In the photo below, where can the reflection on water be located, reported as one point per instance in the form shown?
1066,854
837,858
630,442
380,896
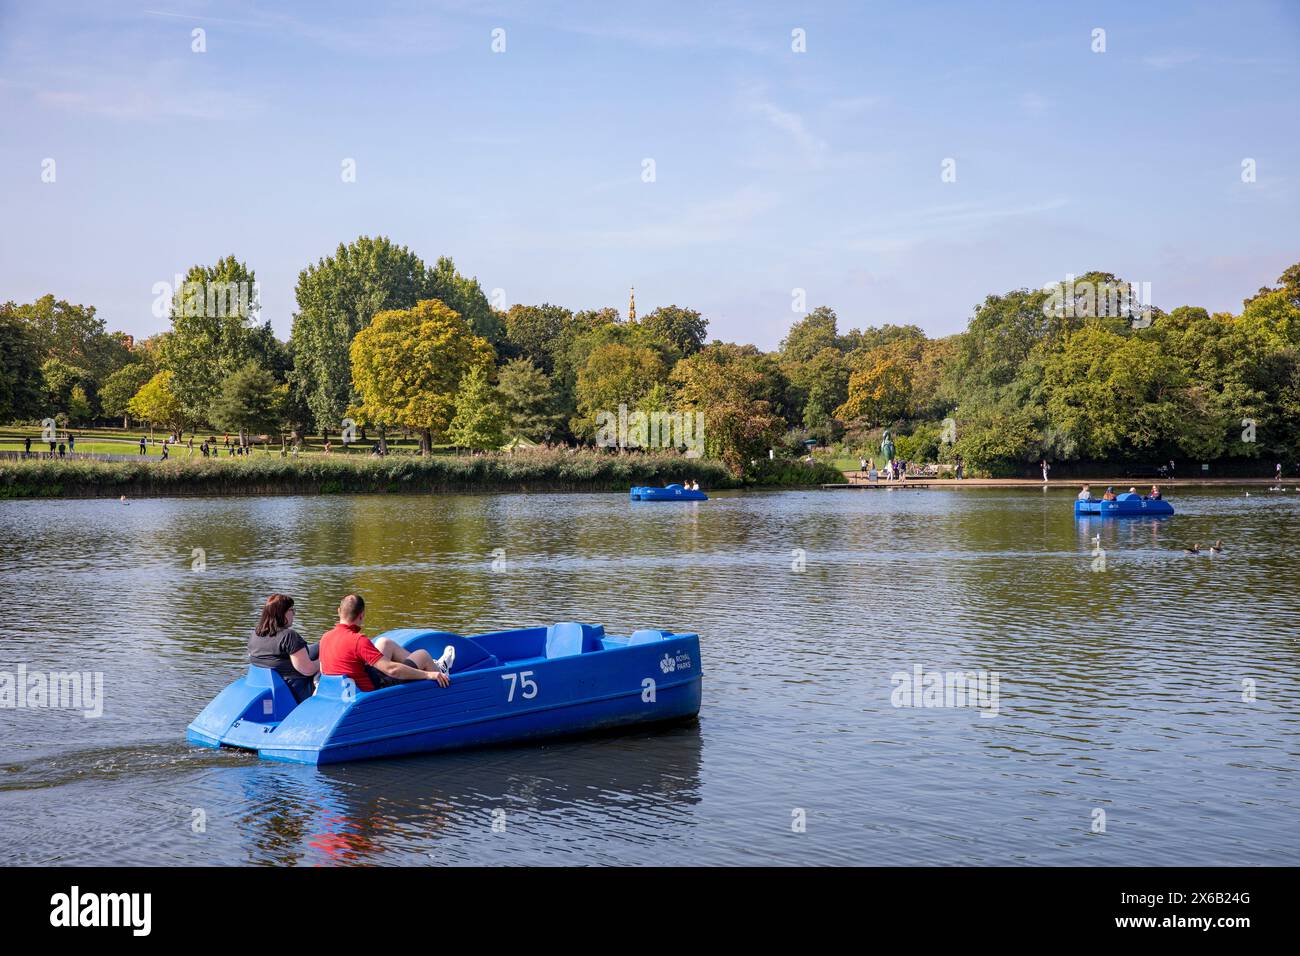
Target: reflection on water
1121,690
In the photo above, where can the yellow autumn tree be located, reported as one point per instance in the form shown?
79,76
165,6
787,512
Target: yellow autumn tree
880,388
156,402
408,363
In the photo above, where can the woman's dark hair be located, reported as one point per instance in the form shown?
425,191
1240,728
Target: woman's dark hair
273,616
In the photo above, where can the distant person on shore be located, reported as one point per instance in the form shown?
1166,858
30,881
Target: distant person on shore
53,445
72,446
164,451
27,446
961,468
62,449
191,448
1046,468
275,645
1086,493
142,444
872,475
1278,473
346,652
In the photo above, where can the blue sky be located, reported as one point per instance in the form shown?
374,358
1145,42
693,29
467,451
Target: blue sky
774,170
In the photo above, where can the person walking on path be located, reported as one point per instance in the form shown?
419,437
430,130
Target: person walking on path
27,446
1046,468
142,444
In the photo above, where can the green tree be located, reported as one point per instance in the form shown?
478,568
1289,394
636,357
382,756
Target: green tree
120,387
816,331
683,330
406,366
337,298
529,399
534,332
60,380
250,400
74,335
738,389
465,297
20,368
480,418
614,374
157,404
215,332
1114,395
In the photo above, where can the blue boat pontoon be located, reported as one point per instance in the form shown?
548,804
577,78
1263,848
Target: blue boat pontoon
1127,505
667,493
508,686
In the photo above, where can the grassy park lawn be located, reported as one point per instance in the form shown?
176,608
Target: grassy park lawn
118,441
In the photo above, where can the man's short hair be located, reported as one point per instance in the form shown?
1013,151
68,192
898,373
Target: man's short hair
351,607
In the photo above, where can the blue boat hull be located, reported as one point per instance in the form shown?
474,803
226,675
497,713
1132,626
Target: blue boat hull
1125,506
507,687
667,493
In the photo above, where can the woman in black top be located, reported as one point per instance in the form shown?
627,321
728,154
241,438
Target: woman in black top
274,644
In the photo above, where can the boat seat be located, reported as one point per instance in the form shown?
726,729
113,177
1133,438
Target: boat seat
647,636
568,638
282,702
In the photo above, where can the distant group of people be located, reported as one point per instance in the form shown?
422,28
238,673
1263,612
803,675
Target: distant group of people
895,469
343,651
691,485
58,448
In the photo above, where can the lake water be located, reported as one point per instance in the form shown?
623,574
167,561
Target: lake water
1161,691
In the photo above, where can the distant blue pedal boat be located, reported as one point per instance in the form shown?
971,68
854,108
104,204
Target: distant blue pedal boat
1124,506
506,687
667,493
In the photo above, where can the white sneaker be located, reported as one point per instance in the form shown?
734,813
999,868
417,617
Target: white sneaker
448,658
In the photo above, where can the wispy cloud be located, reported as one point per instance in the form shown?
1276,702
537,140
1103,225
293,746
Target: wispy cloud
906,229
1170,60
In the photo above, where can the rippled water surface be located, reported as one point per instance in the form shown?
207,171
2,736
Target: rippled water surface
1161,690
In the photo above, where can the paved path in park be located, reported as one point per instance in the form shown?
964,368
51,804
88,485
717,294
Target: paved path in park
859,478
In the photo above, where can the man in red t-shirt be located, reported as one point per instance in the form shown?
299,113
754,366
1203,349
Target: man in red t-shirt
345,651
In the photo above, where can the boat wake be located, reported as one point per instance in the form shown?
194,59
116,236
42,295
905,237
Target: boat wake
106,763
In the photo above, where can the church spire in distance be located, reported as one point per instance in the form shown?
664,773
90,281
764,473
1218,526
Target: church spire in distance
631,306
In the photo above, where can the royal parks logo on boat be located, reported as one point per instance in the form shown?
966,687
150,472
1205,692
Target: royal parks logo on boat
681,662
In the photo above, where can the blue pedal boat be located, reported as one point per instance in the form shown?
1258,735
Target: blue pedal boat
506,687
667,493
1127,505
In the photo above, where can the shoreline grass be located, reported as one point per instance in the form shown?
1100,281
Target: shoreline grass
555,470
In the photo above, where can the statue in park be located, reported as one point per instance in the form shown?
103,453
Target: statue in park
887,446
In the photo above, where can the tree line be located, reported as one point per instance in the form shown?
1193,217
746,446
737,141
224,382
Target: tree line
382,341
